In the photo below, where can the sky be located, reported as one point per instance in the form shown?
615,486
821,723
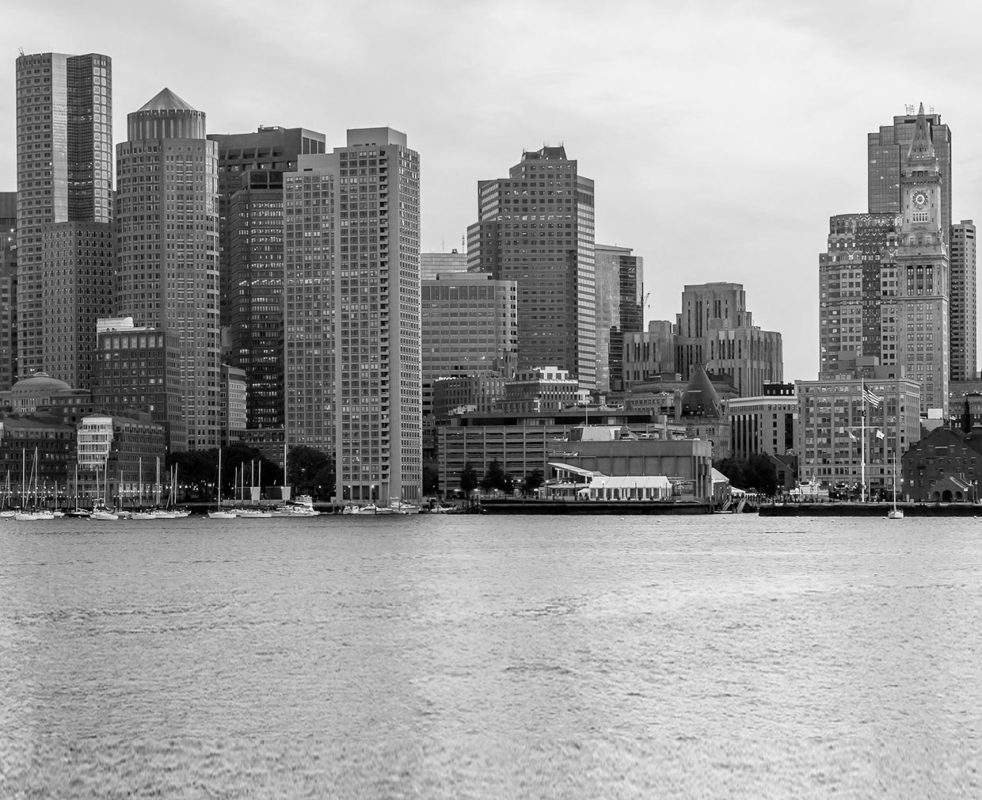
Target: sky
721,135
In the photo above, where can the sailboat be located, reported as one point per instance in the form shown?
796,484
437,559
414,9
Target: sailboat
219,512
894,512
100,511
4,510
34,513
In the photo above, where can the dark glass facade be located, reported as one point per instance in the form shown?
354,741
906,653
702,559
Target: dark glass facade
8,289
255,294
64,174
887,151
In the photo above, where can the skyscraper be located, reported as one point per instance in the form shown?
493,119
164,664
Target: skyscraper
8,289
432,264
64,209
167,214
250,192
963,306
716,332
536,227
620,290
271,149
857,282
887,152
921,328
352,378
469,326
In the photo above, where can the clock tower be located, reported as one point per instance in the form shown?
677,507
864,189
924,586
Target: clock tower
923,273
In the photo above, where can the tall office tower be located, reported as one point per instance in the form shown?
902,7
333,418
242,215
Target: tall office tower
78,291
167,216
432,264
536,227
921,326
963,309
64,203
270,149
715,331
857,290
250,233
888,150
620,310
352,313
470,326
254,321
8,289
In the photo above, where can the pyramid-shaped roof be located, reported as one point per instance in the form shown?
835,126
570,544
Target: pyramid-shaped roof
921,146
166,100
700,398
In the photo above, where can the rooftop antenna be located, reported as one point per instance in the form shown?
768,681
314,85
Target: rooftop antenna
21,51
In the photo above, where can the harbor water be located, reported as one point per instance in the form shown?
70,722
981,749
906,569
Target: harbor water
489,657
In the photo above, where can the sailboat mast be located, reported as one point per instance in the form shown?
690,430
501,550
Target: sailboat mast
862,440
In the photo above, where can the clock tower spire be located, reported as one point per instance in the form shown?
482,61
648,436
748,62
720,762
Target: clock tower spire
920,192
922,273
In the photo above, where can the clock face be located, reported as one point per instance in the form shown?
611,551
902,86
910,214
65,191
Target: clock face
919,198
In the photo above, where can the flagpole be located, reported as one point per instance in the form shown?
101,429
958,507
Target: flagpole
862,440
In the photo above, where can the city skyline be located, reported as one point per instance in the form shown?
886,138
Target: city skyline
751,122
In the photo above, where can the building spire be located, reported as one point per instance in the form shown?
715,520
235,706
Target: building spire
921,146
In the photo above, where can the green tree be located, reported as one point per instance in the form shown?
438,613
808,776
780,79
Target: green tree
468,479
494,477
757,473
533,480
308,469
431,478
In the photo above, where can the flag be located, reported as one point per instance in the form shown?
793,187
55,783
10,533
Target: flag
880,435
852,436
871,398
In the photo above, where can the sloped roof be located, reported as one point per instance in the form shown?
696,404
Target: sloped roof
166,100
700,398
921,146
585,473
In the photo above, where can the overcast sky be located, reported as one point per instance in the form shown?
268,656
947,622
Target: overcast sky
721,135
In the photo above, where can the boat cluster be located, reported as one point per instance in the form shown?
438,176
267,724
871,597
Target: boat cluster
97,513
301,507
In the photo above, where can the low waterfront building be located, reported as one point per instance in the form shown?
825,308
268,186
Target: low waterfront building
37,390
525,443
469,393
138,369
944,466
763,425
39,446
540,389
618,454
118,459
841,437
